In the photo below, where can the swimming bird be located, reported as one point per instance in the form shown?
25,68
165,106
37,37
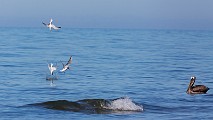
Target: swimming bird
197,89
65,67
51,26
51,68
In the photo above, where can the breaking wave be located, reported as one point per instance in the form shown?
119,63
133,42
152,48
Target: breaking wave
124,104
94,106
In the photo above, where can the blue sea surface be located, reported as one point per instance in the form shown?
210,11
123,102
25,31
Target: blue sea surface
115,74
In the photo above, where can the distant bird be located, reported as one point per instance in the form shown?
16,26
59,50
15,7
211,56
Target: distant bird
197,89
51,68
65,67
51,26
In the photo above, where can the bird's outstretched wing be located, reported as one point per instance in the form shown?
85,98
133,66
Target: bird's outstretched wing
49,67
64,67
62,63
54,27
69,61
44,24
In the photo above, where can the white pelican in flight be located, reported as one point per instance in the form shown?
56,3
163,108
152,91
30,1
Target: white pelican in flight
65,67
51,68
51,26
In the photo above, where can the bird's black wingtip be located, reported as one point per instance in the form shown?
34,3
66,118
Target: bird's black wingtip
43,23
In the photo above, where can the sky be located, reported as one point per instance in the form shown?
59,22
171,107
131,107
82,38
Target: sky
139,14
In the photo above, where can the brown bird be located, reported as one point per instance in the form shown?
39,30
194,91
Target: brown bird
197,89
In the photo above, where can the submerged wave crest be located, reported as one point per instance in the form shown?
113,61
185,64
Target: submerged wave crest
96,106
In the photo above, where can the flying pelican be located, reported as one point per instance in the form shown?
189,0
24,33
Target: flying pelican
197,89
65,67
51,68
51,26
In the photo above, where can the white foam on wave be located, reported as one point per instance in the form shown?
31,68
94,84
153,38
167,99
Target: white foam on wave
124,104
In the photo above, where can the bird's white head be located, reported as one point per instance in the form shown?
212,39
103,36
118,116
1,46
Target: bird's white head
193,77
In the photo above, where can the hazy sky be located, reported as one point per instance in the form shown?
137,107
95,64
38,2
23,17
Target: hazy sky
148,14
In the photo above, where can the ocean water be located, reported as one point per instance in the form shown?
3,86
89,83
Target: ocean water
115,74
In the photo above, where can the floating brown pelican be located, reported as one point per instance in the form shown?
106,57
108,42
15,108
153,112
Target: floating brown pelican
197,89
65,67
51,26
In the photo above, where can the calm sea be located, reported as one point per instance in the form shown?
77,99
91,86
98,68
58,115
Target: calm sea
115,74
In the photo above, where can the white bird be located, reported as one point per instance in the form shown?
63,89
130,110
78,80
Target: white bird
51,26
65,67
51,68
